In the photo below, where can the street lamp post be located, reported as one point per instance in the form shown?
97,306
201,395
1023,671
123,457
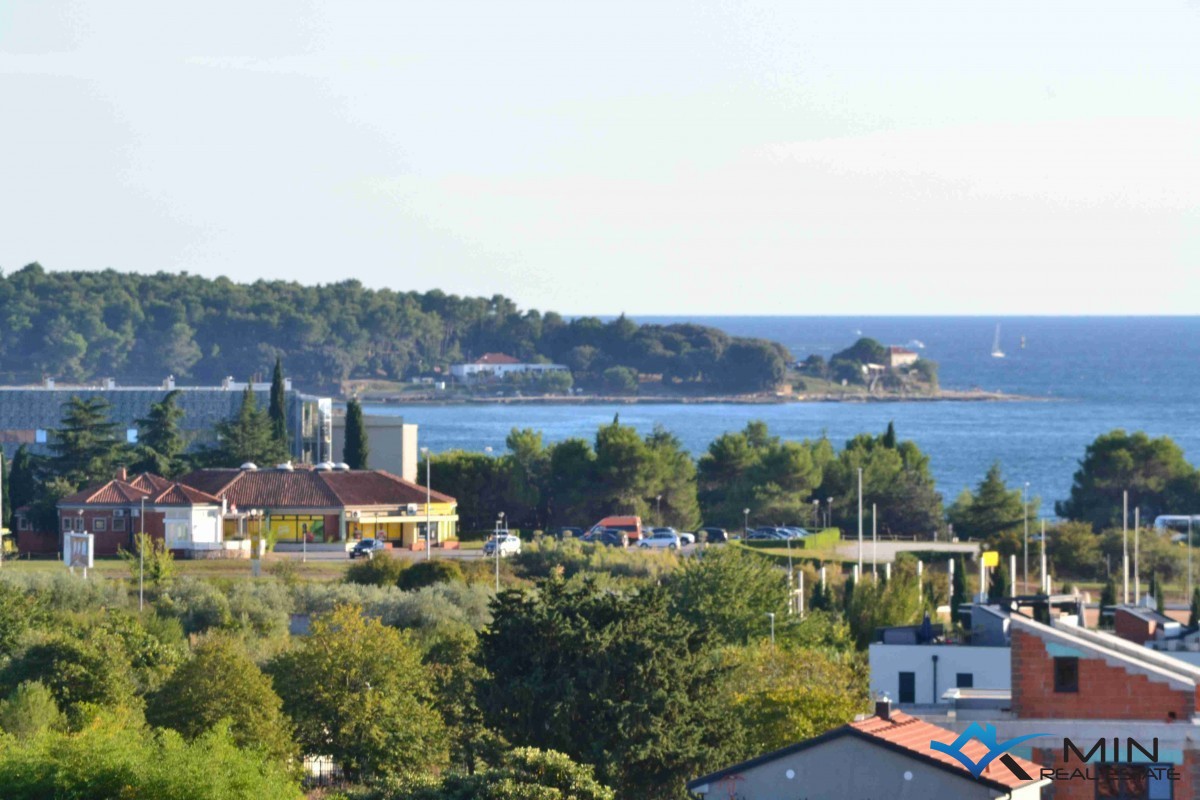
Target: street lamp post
142,558
816,513
860,523
745,522
428,494
1025,511
499,522
829,513
771,614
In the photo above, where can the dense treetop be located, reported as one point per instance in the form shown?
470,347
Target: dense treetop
86,325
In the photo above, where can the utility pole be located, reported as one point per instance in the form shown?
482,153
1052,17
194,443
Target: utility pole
428,493
142,558
1045,564
1025,509
1137,573
875,547
1125,546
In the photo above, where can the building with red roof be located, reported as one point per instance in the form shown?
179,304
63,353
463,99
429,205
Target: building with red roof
498,365
887,755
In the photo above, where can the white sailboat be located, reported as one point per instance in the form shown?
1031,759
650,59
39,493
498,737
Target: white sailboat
996,351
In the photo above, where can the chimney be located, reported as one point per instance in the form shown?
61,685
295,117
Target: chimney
122,474
883,706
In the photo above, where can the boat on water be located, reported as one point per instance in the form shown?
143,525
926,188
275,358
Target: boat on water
1022,342
915,344
996,351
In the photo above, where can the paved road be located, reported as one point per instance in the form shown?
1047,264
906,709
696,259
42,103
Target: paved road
339,555
888,550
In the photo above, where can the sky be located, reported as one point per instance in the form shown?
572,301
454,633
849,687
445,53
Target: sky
648,157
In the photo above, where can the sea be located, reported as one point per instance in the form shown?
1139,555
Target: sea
1085,375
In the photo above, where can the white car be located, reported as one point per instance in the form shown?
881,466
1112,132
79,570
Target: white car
661,539
684,536
509,545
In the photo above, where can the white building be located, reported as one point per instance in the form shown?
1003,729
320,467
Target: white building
497,365
915,665
393,444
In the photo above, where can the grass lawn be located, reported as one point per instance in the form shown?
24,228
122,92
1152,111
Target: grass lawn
112,567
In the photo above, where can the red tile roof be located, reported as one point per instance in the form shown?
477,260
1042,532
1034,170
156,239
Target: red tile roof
376,487
906,734
496,358
114,492
901,351
176,494
308,488
915,735
150,482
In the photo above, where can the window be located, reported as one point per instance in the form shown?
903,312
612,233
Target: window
67,524
131,435
99,524
1066,674
118,523
23,523
965,680
39,436
908,687
1133,782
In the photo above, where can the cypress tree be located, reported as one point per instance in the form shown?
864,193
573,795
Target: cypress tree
1194,619
1108,595
958,592
278,408
848,594
1160,603
356,449
998,588
889,438
5,490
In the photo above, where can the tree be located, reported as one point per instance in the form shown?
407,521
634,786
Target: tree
785,694
620,380
524,773
1074,550
356,690
729,592
865,351
1153,471
611,680
357,450
151,559
220,682
1108,594
878,604
247,437
990,510
77,668
621,470
752,365
277,408
160,441
86,448
30,710
1194,616
998,587
22,480
958,592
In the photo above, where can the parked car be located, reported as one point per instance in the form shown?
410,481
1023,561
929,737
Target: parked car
632,526
660,539
609,537
797,533
684,536
761,534
509,545
715,535
367,548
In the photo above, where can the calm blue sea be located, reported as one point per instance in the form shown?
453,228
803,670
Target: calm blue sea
1137,373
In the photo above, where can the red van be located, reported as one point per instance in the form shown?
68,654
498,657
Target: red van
630,526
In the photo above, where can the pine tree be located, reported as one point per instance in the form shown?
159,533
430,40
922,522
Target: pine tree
848,594
22,479
278,407
160,442
86,448
1160,603
247,437
356,449
889,438
1194,618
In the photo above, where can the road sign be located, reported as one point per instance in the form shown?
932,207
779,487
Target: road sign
991,558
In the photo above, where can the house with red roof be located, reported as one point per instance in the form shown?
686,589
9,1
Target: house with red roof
887,755
220,509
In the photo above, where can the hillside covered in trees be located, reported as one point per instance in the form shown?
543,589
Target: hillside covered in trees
80,326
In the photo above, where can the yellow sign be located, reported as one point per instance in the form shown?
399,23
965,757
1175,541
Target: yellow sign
991,558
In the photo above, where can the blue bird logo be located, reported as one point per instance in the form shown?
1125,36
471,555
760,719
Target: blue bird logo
987,736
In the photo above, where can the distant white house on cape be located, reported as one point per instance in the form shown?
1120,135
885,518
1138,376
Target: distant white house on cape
498,365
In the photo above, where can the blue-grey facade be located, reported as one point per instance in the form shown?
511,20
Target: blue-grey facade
29,414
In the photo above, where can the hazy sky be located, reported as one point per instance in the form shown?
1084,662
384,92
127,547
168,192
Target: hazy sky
799,157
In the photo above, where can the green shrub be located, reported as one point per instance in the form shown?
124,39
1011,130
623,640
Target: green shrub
571,557
382,570
428,573
197,604
31,710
